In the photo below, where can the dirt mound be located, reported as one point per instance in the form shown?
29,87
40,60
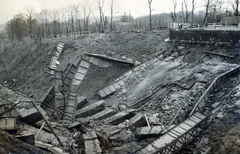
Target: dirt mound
9,144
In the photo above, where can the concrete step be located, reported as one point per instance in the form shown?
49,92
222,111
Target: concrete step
110,89
91,109
121,117
103,114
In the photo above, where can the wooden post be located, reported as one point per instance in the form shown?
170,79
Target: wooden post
48,124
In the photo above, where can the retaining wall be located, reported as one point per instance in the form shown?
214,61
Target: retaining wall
198,35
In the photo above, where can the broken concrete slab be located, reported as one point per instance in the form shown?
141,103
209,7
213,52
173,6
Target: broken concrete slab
103,114
55,150
138,120
110,59
81,101
44,136
121,116
89,136
31,115
91,109
123,136
92,146
142,131
26,138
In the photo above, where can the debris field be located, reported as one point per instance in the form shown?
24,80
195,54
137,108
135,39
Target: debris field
122,92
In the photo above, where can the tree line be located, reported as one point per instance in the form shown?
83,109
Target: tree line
79,18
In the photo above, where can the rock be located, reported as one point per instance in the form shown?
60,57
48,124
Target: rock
124,57
137,63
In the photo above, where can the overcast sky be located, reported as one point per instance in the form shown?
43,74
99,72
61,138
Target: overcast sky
9,8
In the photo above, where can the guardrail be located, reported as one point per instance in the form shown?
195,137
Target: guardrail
203,99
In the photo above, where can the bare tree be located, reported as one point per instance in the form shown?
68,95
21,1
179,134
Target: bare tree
150,14
207,5
218,9
112,9
100,4
86,16
187,13
193,9
235,5
173,14
29,15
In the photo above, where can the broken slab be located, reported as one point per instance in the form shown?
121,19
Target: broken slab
8,120
143,132
81,101
91,109
103,114
44,136
55,150
138,120
28,138
110,59
31,115
89,136
121,116
91,143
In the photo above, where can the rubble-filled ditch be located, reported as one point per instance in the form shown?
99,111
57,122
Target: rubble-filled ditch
120,100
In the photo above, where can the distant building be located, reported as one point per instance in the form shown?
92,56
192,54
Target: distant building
124,22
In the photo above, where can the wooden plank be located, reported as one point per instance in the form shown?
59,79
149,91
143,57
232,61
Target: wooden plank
200,115
185,126
172,134
180,130
195,119
190,122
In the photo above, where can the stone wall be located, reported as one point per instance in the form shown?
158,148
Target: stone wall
200,35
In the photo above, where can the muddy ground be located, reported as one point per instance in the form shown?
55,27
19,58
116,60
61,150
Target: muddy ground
181,73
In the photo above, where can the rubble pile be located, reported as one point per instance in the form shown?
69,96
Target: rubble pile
82,112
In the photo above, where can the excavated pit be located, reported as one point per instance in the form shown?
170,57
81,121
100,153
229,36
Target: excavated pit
165,79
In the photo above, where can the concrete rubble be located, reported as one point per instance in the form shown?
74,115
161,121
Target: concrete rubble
145,109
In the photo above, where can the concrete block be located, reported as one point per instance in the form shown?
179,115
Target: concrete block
142,131
121,116
91,109
81,101
156,130
103,114
26,138
89,136
42,145
31,115
92,147
138,120
56,150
